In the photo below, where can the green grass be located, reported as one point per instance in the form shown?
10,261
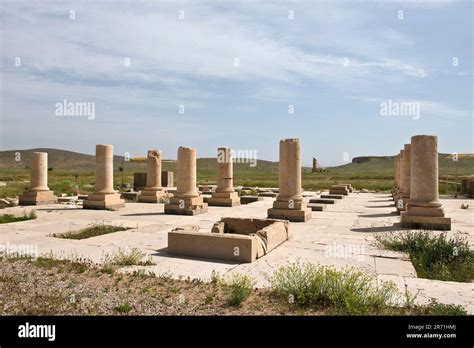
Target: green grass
434,256
126,257
7,218
237,289
123,308
91,231
348,292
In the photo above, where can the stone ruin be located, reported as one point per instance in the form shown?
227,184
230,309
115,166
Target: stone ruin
232,239
289,204
153,191
224,195
186,200
104,196
422,207
38,193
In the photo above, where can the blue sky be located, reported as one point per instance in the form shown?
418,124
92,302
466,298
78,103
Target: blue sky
335,62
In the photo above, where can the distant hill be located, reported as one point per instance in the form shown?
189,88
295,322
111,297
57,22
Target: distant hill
384,165
62,160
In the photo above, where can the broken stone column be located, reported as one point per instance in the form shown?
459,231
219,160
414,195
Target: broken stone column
289,204
225,194
38,192
104,196
153,191
187,200
405,194
315,166
401,174
424,209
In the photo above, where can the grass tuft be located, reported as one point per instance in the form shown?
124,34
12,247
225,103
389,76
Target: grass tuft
7,218
237,289
96,229
434,256
344,292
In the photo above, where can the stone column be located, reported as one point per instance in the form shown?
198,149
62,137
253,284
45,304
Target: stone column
289,204
225,194
315,165
424,209
186,169
153,192
104,172
187,200
39,192
396,176
401,175
405,193
104,196
406,172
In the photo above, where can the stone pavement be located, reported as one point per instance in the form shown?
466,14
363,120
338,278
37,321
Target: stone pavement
342,235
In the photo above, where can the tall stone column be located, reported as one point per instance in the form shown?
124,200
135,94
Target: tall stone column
225,194
153,192
405,195
424,209
396,176
315,166
38,192
187,200
401,175
289,204
104,196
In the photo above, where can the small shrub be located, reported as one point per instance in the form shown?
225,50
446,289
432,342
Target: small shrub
433,256
435,308
123,308
345,292
464,206
125,257
237,289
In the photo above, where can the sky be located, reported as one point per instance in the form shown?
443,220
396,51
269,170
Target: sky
161,74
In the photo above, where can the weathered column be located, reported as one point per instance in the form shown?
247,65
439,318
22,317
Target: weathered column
104,196
225,194
38,192
424,209
407,172
401,175
187,200
186,169
405,195
315,165
396,176
153,192
289,204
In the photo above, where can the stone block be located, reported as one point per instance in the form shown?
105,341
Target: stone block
38,198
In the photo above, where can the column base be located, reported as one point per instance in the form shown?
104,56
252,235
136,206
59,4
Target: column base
104,202
186,206
38,198
151,196
299,213
425,222
224,199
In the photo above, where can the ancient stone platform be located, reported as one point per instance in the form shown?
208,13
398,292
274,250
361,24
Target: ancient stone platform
342,235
